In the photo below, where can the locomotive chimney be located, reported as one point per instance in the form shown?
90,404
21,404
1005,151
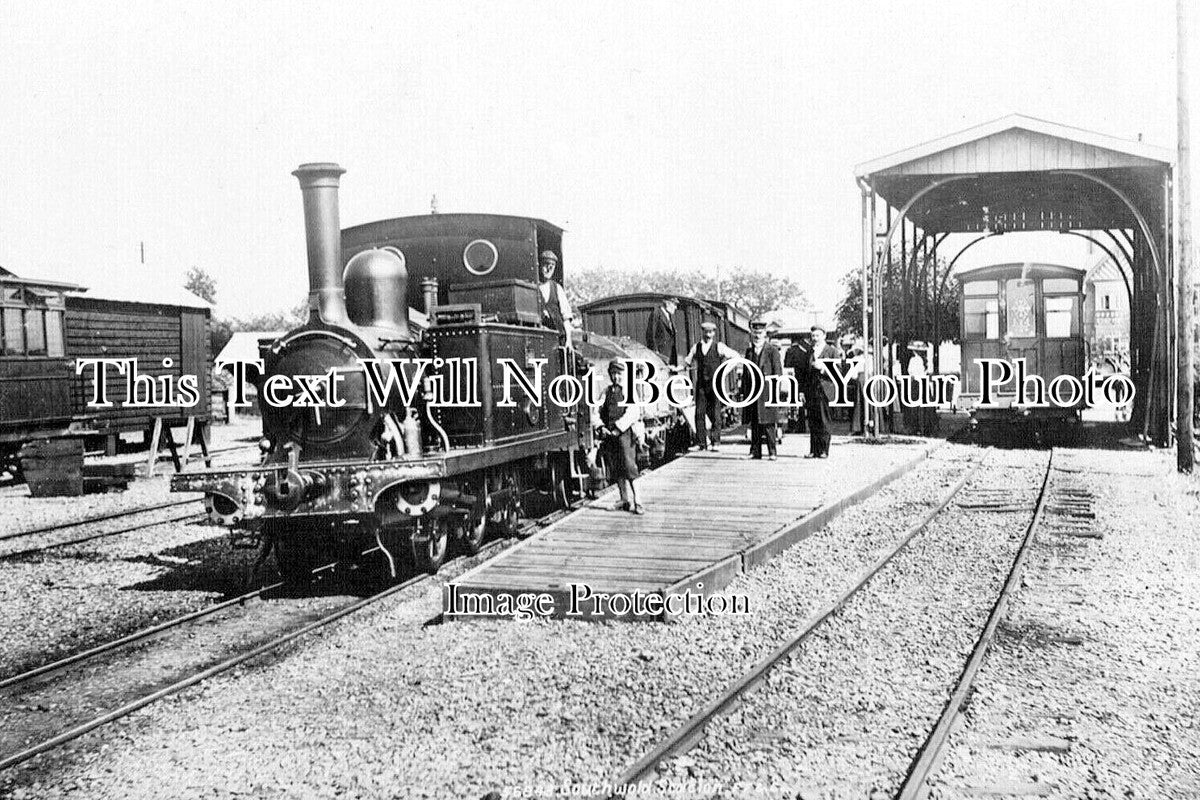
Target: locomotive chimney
323,231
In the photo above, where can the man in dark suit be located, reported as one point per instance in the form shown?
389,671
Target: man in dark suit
796,362
660,330
761,418
818,390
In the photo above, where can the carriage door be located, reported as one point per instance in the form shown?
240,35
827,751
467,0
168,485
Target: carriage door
1063,344
1021,323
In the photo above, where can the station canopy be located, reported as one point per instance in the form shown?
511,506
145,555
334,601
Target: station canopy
1018,173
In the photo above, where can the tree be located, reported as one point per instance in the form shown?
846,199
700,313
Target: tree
201,284
282,320
920,301
755,291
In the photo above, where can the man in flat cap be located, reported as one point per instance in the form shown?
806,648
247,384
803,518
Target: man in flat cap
706,357
660,330
761,417
556,308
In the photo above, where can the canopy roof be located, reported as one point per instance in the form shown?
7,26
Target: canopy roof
1019,173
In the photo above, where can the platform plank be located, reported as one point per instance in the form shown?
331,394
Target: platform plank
709,517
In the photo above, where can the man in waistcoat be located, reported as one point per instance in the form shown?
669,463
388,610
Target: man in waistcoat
556,308
706,357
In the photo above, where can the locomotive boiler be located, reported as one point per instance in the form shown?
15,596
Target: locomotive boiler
410,472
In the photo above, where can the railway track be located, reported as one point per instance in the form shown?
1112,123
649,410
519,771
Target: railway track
924,766
683,738
15,683
66,526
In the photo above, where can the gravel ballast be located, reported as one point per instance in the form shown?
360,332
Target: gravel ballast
379,706
1092,689
465,708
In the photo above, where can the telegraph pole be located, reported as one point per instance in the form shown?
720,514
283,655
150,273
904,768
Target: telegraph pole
1185,333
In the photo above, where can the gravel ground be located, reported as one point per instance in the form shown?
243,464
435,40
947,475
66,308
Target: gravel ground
77,596
1092,689
20,512
86,594
380,706
45,707
844,714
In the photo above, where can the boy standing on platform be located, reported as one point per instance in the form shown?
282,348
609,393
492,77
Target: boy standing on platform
618,446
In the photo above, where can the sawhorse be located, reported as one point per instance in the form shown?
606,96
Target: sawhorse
197,429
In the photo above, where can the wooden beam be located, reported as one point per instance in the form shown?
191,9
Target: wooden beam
1185,333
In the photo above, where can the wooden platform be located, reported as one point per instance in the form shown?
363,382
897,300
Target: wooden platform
709,516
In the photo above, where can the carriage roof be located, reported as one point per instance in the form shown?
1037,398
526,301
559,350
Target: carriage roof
1027,269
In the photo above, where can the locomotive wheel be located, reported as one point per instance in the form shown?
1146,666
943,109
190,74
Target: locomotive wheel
558,482
474,532
430,554
508,520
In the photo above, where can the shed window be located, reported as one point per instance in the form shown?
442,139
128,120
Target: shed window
981,318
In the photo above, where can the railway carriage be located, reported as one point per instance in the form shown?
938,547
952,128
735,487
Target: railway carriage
626,316
623,318
46,325
1013,311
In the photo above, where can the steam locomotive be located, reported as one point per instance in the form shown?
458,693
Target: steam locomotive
415,475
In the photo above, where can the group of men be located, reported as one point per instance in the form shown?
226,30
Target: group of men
763,419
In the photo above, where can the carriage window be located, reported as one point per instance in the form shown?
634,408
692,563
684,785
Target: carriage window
35,332
981,318
28,331
54,334
1021,308
14,334
1060,285
976,288
1062,317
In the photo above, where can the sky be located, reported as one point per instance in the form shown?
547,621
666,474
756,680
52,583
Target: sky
685,135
